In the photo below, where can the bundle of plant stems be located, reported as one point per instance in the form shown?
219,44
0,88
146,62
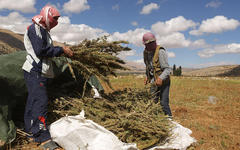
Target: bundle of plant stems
98,57
130,114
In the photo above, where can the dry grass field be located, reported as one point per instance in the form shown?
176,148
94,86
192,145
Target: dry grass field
209,106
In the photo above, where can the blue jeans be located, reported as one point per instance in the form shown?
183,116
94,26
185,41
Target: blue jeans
162,93
36,107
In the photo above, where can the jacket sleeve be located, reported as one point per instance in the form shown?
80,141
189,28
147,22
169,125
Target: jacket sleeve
163,58
38,38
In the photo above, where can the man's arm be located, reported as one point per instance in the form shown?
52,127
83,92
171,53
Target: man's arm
163,59
38,38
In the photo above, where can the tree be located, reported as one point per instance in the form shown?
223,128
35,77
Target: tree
177,71
174,69
180,70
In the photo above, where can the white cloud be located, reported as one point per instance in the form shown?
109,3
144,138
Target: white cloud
64,20
214,4
147,9
25,6
139,61
167,33
70,33
132,36
171,54
173,25
115,7
140,2
173,40
217,24
125,54
134,23
232,48
199,44
63,32
76,6
74,33
14,22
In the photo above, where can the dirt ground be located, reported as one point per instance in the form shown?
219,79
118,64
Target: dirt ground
210,107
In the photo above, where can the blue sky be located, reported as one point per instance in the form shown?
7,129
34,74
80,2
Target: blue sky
196,33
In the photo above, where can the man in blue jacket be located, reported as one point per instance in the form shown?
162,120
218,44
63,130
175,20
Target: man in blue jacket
38,68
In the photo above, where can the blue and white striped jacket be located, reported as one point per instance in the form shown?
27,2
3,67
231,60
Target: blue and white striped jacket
40,50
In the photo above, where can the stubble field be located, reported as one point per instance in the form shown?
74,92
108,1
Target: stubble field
209,106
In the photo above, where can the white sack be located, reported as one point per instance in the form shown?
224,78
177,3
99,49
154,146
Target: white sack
180,138
76,132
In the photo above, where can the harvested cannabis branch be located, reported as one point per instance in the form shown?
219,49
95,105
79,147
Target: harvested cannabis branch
129,114
98,57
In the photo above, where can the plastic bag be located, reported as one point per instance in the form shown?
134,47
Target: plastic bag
180,138
76,132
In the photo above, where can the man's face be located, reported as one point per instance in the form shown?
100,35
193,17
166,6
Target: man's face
151,46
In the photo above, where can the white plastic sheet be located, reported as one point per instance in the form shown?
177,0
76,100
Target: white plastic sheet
180,138
76,132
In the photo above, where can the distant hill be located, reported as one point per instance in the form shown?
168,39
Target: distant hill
185,70
135,66
224,70
11,42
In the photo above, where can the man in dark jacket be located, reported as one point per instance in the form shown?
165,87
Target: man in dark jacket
157,71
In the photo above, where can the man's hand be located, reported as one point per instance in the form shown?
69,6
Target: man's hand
158,82
145,81
67,51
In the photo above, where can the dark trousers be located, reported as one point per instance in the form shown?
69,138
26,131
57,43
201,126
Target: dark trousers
162,93
36,107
